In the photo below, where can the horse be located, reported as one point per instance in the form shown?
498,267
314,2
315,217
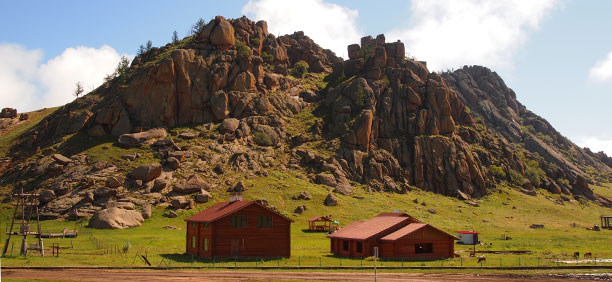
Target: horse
482,259
588,255
576,255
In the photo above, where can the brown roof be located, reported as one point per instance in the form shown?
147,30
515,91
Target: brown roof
408,229
374,226
223,209
320,217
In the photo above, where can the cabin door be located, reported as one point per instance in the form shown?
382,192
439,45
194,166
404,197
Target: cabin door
235,248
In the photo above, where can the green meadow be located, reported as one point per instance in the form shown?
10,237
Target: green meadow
505,211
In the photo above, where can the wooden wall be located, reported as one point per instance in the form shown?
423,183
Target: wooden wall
252,241
443,245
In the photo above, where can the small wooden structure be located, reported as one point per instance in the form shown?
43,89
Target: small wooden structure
320,223
396,235
606,221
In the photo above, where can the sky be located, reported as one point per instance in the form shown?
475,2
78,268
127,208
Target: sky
555,54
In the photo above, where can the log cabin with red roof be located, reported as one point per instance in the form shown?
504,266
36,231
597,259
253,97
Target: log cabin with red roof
397,235
238,229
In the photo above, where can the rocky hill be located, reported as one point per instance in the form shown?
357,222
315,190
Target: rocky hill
233,102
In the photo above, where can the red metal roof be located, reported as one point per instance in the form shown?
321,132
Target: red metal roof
403,231
467,232
320,217
376,225
408,229
223,209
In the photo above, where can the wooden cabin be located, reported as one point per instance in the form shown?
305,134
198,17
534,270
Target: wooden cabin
238,229
397,235
320,223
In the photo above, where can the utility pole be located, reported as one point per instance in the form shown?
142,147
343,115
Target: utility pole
375,257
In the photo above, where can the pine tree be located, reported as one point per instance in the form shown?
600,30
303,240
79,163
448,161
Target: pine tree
175,38
149,45
198,26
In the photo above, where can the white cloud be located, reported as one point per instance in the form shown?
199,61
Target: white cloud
330,25
596,144
451,33
28,84
602,71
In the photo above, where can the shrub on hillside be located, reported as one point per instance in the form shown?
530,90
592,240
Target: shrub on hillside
242,49
262,139
300,69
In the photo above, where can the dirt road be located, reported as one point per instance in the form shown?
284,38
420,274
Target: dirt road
178,275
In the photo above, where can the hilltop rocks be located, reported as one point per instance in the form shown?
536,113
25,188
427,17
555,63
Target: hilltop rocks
141,138
115,218
8,113
146,173
219,32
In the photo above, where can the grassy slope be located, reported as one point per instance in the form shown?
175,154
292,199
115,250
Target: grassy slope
557,239
9,139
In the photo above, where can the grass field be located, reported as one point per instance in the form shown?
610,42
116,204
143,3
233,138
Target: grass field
505,211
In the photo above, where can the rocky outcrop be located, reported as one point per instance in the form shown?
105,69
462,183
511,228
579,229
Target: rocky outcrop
488,97
385,115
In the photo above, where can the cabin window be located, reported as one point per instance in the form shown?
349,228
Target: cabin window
239,221
345,245
423,248
264,221
193,242
194,224
206,225
359,247
205,244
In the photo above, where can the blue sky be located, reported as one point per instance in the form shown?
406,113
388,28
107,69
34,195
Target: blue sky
555,54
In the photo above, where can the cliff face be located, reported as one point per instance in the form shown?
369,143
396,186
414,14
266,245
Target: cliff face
378,119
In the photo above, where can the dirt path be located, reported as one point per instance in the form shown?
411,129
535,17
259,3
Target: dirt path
176,275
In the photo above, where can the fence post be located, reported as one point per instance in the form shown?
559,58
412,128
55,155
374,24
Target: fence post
235,262
320,263
213,262
538,261
278,262
519,258
299,261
